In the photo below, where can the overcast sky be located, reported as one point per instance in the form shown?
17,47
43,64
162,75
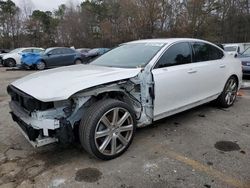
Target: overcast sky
45,4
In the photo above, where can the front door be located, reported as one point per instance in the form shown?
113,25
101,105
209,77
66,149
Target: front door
55,58
175,80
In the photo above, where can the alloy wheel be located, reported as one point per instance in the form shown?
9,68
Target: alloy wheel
40,65
114,131
231,91
78,61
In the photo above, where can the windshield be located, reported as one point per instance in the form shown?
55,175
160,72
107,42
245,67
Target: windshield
230,48
129,55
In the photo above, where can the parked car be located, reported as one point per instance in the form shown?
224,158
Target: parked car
94,53
4,51
131,86
236,48
233,49
83,51
52,57
245,60
13,58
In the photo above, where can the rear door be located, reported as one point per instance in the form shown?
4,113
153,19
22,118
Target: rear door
211,69
68,56
175,79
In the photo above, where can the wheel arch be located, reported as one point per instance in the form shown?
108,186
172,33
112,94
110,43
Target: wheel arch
99,94
236,77
9,58
117,94
42,61
76,59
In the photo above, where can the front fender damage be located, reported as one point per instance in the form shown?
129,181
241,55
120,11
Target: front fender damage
58,124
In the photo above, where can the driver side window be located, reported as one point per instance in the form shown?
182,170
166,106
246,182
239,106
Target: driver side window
55,52
178,54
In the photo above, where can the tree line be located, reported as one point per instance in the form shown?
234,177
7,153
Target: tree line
106,23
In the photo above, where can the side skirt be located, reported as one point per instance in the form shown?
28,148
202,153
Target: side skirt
187,107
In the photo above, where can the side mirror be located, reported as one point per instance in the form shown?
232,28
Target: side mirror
236,55
49,54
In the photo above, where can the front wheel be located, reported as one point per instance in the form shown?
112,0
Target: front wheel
40,65
10,62
107,129
228,96
78,61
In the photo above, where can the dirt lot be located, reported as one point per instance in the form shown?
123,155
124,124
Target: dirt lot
204,147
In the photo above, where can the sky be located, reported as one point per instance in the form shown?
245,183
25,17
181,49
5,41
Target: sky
45,4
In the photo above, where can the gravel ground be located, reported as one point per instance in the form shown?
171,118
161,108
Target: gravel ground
203,147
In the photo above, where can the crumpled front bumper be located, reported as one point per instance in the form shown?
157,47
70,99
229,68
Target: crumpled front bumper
35,130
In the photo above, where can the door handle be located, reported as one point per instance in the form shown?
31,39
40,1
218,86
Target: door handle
192,71
222,66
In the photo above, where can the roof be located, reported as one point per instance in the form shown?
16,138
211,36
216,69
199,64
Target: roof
166,40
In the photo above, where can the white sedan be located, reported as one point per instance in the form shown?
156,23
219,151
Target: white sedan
13,58
131,86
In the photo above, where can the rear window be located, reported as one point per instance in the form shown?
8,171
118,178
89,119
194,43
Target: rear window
206,52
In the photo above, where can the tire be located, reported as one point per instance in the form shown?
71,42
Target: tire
228,96
113,139
10,62
40,65
78,61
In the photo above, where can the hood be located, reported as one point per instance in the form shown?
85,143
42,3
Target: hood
60,83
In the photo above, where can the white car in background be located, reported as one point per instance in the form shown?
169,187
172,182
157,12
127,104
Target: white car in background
233,50
130,86
13,58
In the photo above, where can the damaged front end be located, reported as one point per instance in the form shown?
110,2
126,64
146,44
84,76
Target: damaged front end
43,123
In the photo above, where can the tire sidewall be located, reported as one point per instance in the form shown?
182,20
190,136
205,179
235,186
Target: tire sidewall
40,62
10,62
222,97
78,62
95,122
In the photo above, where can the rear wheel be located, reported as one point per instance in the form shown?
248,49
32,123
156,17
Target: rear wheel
228,96
78,61
107,129
40,65
10,62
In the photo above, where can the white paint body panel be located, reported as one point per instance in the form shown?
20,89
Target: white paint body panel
60,83
16,56
176,87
